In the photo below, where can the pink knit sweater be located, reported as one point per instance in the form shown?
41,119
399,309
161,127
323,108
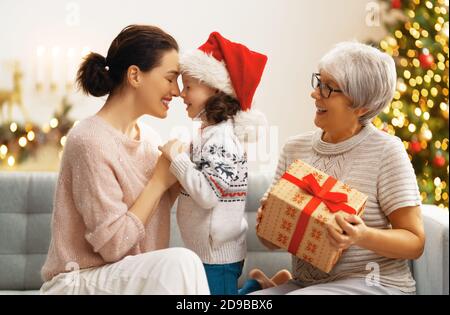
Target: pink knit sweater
102,174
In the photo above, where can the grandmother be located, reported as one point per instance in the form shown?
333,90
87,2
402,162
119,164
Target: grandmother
354,83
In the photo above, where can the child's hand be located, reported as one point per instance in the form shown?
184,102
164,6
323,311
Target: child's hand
172,148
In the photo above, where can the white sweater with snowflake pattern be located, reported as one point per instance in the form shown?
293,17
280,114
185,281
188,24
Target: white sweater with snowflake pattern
211,205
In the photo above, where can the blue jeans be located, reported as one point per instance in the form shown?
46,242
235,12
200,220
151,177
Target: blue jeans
251,285
223,278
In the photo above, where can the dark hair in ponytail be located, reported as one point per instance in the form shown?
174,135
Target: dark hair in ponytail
220,107
139,45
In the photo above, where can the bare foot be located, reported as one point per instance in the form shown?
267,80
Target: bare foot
281,277
262,279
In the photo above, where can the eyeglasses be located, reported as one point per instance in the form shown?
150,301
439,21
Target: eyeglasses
325,89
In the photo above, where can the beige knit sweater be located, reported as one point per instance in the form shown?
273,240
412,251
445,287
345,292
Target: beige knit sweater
102,174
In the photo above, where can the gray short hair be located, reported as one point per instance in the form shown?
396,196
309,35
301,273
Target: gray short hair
364,74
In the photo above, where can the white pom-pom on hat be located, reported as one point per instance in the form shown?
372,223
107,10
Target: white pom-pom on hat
247,124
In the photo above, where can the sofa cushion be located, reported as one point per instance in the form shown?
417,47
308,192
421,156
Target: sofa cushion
25,213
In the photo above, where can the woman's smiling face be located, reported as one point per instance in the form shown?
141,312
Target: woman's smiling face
159,86
334,114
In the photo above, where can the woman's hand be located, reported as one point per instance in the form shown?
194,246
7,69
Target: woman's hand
258,217
162,174
172,148
353,231
260,212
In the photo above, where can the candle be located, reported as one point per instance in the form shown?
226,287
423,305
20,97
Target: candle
55,67
40,67
70,68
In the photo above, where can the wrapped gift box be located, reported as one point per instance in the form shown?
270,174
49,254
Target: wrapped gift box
301,206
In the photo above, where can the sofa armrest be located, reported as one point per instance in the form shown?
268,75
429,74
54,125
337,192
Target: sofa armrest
431,270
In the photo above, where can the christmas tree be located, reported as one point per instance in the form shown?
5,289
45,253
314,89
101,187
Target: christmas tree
418,113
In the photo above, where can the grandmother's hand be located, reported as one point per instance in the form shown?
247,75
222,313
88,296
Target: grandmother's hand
259,215
353,230
172,148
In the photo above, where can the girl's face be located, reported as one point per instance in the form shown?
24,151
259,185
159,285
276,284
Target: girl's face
158,86
195,95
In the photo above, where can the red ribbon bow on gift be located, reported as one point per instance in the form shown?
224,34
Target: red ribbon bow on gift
333,200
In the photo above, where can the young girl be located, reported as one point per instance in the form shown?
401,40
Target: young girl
219,79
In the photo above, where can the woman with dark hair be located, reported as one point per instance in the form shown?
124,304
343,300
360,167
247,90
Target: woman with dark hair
111,216
219,80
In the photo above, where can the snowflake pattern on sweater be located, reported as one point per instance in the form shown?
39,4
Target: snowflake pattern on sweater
226,173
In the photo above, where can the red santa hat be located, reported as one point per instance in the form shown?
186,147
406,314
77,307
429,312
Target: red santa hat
227,66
